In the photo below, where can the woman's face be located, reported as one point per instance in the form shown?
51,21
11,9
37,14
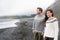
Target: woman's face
49,14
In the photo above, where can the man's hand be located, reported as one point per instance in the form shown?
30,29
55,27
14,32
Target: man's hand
42,33
33,31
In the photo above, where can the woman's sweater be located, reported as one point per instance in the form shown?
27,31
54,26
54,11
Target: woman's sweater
51,29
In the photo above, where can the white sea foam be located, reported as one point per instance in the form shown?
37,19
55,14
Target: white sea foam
8,23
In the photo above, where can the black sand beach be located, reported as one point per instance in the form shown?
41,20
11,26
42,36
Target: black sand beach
22,32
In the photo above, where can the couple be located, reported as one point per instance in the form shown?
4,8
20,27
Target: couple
45,27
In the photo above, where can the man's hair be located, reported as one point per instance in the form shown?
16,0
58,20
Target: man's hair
40,9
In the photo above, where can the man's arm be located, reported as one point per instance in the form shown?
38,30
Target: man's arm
33,27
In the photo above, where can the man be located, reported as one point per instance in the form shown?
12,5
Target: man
38,26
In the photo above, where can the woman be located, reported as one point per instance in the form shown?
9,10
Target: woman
51,29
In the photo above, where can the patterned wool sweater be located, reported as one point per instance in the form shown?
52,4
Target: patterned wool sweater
51,29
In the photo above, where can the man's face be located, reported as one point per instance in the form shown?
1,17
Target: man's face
38,12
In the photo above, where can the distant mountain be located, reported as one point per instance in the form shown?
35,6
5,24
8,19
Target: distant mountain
17,17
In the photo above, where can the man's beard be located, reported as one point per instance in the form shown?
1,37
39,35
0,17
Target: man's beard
38,13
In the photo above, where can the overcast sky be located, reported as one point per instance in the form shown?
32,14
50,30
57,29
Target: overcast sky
18,7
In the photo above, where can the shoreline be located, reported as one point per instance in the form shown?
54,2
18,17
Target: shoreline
22,32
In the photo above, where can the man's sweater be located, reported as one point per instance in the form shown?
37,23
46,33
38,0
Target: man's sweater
38,23
51,29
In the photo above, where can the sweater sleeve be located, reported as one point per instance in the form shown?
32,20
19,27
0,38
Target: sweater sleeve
56,30
33,25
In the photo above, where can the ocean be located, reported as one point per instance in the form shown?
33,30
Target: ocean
8,23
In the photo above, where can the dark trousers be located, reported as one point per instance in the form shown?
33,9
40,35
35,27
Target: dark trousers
38,36
47,38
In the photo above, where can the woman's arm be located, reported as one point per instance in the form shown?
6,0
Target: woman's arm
56,30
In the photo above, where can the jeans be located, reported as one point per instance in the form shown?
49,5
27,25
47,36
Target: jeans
38,36
48,38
